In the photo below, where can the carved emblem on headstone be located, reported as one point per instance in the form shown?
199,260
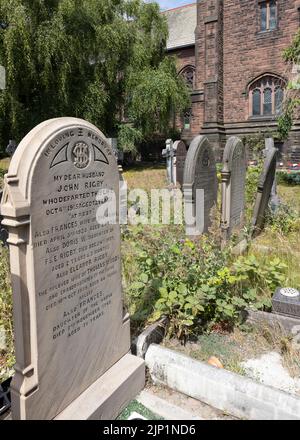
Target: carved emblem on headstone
81,155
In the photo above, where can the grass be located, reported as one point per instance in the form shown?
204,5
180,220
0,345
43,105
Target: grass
146,177
4,163
272,243
135,406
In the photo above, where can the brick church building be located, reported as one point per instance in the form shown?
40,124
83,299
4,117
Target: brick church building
230,53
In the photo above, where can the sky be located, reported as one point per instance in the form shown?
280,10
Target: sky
169,4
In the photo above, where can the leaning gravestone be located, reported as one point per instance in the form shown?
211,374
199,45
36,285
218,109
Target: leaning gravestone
179,161
233,186
200,174
264,189
274,201
72,336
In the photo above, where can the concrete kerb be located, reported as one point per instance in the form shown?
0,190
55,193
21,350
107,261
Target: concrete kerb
221,389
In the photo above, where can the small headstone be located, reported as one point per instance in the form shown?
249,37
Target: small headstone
233,186
286,301
200,174
72,337
264,189
179,161
11,147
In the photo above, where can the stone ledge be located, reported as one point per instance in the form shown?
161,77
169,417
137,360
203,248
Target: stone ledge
222,389
108,396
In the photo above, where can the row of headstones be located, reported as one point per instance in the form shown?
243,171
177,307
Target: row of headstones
195,169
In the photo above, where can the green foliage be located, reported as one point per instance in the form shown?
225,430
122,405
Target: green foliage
252,178
255,145
288,177
258,278
193,282
291,55
88,59
284,220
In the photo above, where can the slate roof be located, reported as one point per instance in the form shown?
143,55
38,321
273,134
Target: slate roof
182,23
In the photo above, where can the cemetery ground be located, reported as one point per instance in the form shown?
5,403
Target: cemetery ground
199,286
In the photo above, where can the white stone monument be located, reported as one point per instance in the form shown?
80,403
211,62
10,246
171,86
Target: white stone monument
72,336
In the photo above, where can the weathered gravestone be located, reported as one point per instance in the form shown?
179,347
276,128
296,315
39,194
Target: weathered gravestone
264,188
233,186
200,174
274,201
72,336
179,161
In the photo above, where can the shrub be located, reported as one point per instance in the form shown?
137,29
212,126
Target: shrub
283,220
193,282
288,177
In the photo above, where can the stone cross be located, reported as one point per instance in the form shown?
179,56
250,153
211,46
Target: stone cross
168,153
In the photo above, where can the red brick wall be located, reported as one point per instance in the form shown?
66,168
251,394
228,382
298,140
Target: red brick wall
186,57
249,53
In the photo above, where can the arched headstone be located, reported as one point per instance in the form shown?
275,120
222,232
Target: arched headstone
200,174
264,189
233,185
72,337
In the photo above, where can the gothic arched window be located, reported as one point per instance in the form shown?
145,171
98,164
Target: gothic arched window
188,74
266,96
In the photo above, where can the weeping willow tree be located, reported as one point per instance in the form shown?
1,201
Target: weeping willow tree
291,106
88,59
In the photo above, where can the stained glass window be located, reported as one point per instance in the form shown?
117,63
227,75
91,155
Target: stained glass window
267,101
273,16
268,15
264,16
256,102
266,96
278,100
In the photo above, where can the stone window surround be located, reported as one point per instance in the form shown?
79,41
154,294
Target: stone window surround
188,69
274,81
267,3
